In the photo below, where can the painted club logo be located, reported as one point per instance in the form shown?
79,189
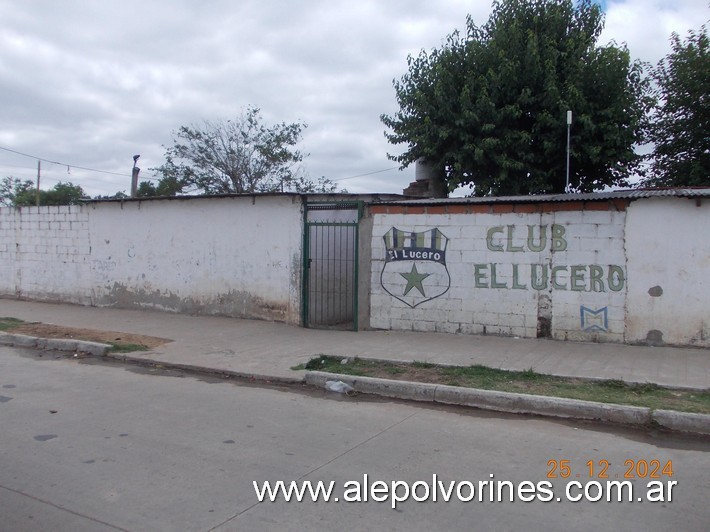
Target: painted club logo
415,266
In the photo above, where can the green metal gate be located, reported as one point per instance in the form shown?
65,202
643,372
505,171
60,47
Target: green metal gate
331,265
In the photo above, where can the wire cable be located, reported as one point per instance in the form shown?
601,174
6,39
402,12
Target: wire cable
154,178
63,164
363,175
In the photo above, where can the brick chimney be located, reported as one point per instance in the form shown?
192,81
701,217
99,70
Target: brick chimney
429,182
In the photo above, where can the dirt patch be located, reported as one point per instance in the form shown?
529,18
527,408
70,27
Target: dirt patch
44,330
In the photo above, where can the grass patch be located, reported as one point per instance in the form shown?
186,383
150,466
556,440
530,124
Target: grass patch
117,347
528,382
7,323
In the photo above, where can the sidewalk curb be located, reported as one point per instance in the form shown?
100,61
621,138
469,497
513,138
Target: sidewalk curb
519,403
415,391
203,370
55,344
682,421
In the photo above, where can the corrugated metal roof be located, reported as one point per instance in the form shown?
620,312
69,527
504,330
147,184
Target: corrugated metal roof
630,194
385,198
310,196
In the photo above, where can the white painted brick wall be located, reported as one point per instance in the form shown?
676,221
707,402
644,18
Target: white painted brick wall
235,256
669,263
591,239
43,257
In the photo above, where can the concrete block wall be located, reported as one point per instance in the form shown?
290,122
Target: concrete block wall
620,271
530,270
234,256
45,253
7,250
668,251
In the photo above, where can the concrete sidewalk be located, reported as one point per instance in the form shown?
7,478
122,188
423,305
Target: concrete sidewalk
269,350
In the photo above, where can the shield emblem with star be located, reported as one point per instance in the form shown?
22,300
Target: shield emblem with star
415,266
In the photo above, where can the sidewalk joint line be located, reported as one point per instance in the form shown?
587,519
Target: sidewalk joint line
358,445
62,508
323,465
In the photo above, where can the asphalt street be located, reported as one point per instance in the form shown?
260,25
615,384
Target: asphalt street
91,445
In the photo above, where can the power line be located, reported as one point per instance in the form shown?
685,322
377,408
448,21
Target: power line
154,178
369,173
63,164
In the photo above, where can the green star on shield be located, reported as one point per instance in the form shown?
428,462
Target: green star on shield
414,280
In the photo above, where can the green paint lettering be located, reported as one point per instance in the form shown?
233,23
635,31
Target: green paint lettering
616,282
542,241
516,284
479,275
576,278
494,281
558,238
511,247
489,238
538,282
553,275
596,284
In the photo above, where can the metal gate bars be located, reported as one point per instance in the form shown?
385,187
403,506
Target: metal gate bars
331,265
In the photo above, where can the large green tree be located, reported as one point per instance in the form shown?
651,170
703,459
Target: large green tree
489,109
17,193
12,188
167,186
237,156
681,127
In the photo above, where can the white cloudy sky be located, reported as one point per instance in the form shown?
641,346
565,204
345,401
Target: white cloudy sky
91,83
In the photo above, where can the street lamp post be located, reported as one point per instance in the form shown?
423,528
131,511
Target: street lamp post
134,177
569,125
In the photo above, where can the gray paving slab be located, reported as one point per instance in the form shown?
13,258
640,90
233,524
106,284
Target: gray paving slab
268,348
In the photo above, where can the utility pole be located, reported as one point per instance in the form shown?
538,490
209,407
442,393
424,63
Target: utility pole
134,177
38,173
569,125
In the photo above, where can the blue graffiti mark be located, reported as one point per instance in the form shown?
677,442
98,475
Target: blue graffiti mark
594,320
